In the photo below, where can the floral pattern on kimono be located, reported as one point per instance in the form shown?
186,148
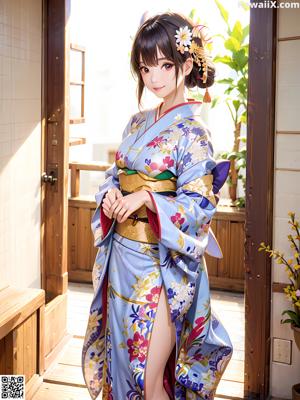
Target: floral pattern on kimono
181,143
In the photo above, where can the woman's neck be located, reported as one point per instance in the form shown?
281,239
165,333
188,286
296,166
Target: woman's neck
162,108
169,103
172,100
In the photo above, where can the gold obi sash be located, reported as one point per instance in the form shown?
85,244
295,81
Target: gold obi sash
137,226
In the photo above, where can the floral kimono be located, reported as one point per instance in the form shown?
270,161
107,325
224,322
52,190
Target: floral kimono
128,275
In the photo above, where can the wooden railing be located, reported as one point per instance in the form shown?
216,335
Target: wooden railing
228,272
76,167
228,226
81,250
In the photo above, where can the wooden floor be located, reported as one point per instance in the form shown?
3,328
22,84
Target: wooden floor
64,380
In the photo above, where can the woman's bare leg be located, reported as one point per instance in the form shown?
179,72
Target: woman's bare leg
162,341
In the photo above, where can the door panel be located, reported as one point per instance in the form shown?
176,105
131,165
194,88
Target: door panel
56,138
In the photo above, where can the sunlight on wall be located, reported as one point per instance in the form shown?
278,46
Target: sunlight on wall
20,143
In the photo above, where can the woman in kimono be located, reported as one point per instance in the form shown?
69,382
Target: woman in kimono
151,332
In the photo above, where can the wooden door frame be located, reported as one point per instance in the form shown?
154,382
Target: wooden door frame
55,146
55,157
259,200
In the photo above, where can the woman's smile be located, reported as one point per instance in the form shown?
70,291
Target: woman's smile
158,88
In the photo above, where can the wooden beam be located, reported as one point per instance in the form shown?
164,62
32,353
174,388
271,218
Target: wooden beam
76,141
77,47
90,166
259,199
75,181
79,120
277,287
283,39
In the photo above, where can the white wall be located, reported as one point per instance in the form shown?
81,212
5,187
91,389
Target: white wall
287,183
20,142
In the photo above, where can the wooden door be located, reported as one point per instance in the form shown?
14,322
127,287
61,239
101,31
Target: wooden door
55,146
55,155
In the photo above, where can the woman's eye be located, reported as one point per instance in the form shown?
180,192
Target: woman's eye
144,70
168,66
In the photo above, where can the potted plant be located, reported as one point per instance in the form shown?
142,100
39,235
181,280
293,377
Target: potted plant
292,290
236,59
236,45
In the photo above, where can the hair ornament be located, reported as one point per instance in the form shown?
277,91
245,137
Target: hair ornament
183,39
184,42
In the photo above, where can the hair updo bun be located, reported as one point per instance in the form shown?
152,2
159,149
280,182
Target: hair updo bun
196,75
159,31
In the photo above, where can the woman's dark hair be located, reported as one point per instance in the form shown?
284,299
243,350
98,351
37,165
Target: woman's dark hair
159,31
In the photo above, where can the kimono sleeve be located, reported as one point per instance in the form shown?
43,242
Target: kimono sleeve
181,223
101,225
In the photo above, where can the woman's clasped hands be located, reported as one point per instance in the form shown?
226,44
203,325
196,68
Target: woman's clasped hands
115,205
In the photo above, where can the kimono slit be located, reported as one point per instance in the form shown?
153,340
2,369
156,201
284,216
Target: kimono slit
171,158
169,376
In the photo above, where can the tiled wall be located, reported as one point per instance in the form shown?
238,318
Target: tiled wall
287,182
20,142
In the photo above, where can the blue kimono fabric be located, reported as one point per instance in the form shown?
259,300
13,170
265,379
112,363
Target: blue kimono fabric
128,275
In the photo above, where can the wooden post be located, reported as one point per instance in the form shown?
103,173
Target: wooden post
75,181
259,199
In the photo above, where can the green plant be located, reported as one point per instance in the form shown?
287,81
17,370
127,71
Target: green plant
236,45
292,267
240,163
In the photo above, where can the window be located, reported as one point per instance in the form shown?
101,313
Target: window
77,82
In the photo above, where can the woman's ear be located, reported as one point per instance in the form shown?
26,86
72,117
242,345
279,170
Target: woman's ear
188,66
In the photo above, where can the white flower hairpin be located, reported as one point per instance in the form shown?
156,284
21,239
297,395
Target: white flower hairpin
183,38
184,42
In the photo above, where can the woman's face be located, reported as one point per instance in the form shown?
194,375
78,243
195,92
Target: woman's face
160,79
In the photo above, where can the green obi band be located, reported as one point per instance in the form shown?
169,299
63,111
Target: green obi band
163,175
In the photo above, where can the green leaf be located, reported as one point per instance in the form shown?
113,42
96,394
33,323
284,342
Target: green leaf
243,139
232,44
242,86
236,104
224,154
243,118
226,80
223,11
228,90
192,14
240,202
293,316
240,59
223,59
232,155
244,5
287,321
237,32
243,81
245,32
214,102
241,163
